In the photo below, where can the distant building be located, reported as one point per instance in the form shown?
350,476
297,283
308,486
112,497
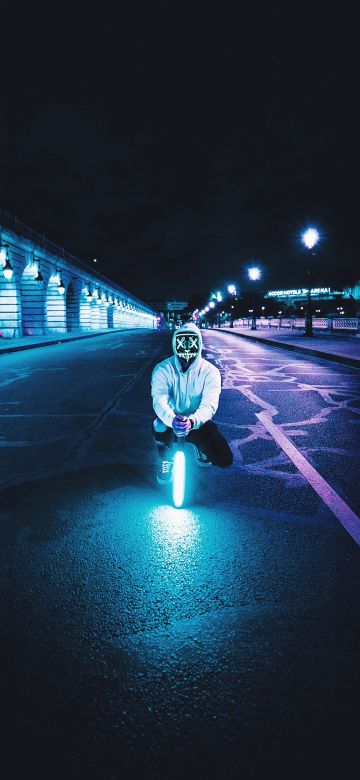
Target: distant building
161,305
172,311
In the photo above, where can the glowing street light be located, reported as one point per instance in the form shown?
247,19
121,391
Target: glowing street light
309,238
7,266
254,273
8,269
61,287
231,289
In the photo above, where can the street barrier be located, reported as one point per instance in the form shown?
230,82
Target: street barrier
349,324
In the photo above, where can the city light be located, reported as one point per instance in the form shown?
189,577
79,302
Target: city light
8,269
231,289
61,287
254,273
212,305
310,237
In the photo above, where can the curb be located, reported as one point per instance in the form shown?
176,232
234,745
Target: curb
21,347
348,361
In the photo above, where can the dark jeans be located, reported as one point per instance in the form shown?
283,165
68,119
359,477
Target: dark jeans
208,438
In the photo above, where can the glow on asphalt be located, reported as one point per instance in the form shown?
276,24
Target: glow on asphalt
174,528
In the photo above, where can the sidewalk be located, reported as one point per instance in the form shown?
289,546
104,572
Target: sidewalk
331,346
31,342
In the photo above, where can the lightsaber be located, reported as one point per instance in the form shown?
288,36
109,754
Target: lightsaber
178,476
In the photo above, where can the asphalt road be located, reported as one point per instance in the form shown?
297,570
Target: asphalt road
140,640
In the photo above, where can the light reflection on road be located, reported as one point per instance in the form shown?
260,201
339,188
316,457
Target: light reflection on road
176,530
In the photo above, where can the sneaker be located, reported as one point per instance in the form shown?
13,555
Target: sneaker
164,474
202,458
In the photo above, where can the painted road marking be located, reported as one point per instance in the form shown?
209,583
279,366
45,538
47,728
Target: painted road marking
256,400
338,507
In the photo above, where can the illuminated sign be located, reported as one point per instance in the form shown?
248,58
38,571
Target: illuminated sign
303,291
176,305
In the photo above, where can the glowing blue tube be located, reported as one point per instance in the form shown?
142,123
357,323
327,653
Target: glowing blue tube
178,478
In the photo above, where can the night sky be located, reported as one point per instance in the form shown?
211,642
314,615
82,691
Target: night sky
179,142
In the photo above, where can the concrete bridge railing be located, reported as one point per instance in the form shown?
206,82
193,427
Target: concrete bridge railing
349,324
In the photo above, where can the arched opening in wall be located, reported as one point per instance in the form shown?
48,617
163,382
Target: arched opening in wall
72,308
85,310
9,308
55,307
32,303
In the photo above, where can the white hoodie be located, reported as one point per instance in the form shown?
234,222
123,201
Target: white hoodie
195,393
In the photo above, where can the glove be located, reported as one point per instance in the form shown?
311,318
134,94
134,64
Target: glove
181,425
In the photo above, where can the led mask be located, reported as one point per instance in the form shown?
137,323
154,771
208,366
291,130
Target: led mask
187,347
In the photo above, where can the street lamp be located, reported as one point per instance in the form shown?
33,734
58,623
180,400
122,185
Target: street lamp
254,275
8,269
232,291
39,277
7,266
310,238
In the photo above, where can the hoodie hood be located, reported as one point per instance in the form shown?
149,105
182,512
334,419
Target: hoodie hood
186,330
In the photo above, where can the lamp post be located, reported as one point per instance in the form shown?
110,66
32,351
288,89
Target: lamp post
310,238
232,292
254,274
218,300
